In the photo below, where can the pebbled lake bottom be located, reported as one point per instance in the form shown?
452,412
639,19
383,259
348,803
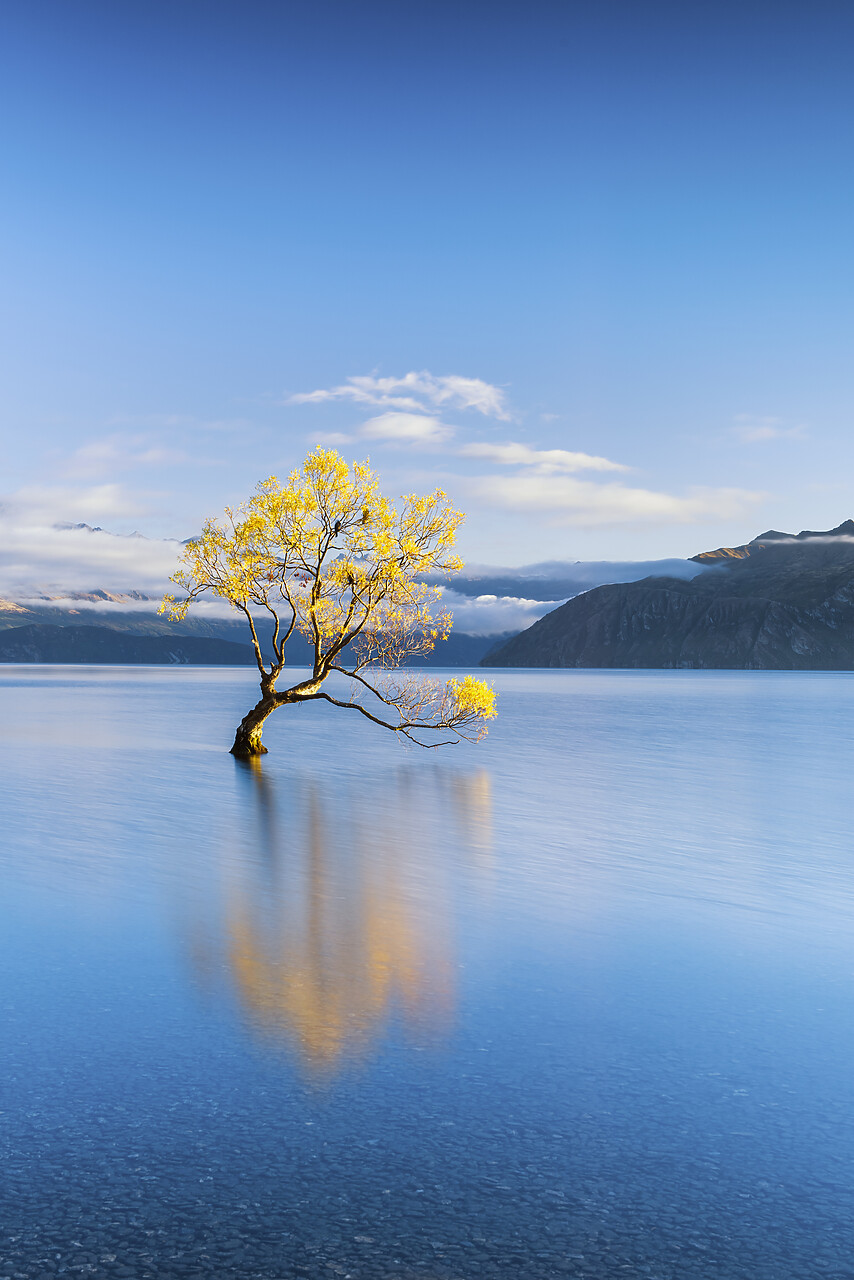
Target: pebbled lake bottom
574,1002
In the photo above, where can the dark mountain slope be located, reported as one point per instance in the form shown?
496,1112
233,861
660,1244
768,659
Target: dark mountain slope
780,602
46,643
102,645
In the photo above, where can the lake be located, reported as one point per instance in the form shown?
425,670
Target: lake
577,1001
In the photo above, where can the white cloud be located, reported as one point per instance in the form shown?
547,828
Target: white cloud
210,609
181,421
407,428
584,503
544,461
40,558
490,615
119,452
51,503
415,393
329,437
755,430
38,553
584,573
394,426
470,393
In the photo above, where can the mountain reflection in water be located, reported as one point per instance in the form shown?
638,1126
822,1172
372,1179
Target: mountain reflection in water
335,917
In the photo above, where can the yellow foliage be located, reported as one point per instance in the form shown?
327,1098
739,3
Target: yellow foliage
328,555
473,697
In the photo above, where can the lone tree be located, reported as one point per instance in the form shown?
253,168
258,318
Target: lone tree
328,556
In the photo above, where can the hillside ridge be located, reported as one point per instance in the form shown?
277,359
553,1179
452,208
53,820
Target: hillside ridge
779,602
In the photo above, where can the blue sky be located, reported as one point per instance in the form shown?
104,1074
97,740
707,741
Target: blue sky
614,236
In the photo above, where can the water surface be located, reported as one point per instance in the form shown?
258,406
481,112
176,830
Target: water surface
573,1002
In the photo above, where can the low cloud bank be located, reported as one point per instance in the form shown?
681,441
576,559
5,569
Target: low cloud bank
592,573
481,611
63,565
490,615
483,615
44,559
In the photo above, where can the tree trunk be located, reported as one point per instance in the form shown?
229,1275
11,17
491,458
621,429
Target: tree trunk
247,739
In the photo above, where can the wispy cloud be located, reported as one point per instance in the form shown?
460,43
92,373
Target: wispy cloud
329,437
181,421
544,481
48,504
408,428
422,392
394,427
579,575
118,452
587,504
757,430
542,461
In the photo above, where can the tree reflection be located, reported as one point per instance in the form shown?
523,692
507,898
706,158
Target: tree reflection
337,914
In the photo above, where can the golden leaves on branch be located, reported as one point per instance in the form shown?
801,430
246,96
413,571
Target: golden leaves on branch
328,555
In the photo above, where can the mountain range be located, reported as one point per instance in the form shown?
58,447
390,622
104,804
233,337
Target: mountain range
45,643
132,632
779,602
97,626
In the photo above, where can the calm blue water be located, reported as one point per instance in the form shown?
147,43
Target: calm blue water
573,1002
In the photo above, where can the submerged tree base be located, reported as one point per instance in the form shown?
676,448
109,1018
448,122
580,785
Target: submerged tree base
246,749
247,739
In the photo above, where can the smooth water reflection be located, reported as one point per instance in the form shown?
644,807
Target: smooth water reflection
576,1002
336,910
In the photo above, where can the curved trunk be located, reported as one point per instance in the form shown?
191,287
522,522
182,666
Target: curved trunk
247,739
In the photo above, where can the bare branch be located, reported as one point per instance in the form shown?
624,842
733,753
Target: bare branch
258,655
352,675
404,728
